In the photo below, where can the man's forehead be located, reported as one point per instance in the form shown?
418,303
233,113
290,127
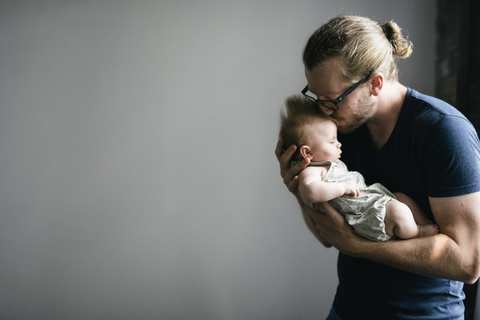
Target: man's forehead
324,79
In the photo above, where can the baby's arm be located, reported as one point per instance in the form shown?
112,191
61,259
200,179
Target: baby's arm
313,189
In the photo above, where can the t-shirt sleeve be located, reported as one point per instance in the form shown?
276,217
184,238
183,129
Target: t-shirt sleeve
452,158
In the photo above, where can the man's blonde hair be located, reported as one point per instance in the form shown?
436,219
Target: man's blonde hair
296,122
364,47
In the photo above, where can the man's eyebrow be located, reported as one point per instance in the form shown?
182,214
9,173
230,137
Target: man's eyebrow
326,95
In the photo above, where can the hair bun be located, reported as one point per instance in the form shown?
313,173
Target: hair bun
402,48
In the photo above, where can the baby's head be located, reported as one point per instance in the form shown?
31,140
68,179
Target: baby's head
313,132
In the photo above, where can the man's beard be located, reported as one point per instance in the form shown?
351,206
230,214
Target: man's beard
362,114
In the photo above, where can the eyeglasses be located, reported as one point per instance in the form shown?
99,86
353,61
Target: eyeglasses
332,104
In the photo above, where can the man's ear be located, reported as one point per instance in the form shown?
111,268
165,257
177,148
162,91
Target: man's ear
376,84
305,151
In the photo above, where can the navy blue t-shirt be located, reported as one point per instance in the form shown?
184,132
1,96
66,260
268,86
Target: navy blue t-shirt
433,151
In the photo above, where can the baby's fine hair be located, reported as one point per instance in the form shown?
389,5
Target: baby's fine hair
361,43
295,123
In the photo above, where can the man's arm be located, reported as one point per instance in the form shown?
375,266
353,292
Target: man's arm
453,254
290,178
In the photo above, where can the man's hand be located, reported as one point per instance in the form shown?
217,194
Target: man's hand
290,178
333,228
289,175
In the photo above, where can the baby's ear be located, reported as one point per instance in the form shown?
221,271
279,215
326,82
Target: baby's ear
305,152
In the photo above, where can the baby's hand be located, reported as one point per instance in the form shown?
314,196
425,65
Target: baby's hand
350,188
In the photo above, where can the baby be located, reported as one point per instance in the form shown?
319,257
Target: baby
372,211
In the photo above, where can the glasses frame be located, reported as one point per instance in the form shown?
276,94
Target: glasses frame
339,99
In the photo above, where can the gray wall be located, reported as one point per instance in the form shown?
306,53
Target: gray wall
137,173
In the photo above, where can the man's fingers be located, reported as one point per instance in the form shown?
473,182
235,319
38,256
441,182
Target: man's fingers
292,186
315,215
279,149
290,174
286,156
332,213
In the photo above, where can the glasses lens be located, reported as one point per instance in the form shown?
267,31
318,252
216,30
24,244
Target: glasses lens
329,105
310,95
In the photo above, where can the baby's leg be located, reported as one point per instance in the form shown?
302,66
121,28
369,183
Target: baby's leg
418,214
400,221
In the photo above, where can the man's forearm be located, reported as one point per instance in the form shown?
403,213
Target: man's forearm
453,254
437,256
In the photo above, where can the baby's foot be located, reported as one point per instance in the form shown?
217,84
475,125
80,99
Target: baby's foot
428,230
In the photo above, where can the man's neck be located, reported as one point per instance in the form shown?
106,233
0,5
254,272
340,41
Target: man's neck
389,105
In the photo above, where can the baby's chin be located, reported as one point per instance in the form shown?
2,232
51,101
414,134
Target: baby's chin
333,160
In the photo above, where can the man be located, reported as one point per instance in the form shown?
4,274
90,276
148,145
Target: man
409,142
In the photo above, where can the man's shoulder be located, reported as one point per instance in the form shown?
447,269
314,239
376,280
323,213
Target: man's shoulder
425,107
424,113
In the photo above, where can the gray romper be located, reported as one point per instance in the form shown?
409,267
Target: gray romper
366,213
